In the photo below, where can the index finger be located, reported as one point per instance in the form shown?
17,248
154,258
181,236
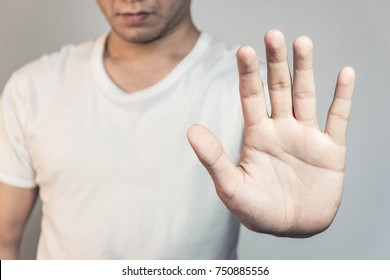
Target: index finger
251,87
339,111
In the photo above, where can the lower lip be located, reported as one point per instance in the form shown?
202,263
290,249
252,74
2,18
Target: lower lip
134,19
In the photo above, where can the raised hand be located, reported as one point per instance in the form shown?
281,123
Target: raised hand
290,177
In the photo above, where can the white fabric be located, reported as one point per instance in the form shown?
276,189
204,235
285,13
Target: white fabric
117,177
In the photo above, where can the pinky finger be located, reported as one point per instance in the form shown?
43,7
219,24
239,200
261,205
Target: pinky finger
338,115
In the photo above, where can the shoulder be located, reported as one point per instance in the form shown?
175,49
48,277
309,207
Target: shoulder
220,58
219,72
30,85
43,68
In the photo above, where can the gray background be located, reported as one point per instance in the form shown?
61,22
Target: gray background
348,32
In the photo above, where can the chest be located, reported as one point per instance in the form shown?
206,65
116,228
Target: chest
144,74
80,134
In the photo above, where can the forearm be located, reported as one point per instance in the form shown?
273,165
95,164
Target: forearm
9,250
15,207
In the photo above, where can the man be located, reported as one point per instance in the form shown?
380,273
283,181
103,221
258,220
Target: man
101,127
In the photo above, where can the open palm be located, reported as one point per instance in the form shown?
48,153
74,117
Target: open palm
290,177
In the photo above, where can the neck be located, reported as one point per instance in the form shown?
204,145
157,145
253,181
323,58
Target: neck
138,66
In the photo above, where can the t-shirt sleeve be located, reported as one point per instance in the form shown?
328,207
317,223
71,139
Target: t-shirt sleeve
15,162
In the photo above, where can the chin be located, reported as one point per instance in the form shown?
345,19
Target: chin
138,36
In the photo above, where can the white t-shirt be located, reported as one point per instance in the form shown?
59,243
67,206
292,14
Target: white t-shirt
117,177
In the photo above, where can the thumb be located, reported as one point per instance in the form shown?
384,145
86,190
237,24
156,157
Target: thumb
225,175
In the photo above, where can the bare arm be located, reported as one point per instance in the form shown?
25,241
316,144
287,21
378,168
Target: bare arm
15,207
